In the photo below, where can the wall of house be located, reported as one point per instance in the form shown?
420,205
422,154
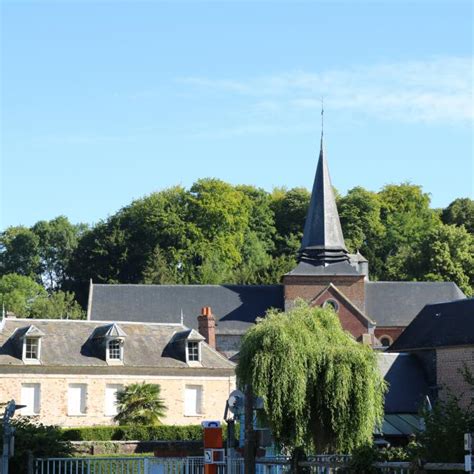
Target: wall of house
54,396
449,362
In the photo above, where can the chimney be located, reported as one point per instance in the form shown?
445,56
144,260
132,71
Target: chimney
207,326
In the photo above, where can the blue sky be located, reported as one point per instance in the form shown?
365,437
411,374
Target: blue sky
105,102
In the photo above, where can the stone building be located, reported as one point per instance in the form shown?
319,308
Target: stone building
326,274
68,372
441,337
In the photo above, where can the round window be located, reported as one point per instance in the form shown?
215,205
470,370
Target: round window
331,304
385,341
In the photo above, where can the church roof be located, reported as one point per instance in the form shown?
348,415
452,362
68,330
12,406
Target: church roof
396,303
439,325
322,241
235,307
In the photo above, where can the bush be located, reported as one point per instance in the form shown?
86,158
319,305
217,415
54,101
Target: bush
41,440
131,433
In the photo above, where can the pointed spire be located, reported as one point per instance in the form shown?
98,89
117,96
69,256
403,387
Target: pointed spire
323,242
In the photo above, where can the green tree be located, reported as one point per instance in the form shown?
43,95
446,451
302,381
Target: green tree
322,391
407,218
140,404
19,293
56,305
58,239
460,212
360,214
446,254
290,209
19,252
39,440
28,299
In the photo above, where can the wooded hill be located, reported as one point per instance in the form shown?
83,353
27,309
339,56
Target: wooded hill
216,232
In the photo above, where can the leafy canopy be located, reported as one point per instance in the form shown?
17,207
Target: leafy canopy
140,404
322,390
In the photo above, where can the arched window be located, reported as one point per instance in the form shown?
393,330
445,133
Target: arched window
330,303
386,341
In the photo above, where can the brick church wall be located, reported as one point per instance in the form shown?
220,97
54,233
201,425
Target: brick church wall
308,287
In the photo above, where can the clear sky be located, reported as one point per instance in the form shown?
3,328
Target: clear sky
105,102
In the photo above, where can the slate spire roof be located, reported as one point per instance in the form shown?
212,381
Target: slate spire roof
323,242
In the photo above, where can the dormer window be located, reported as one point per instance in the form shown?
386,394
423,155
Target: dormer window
111,340
115,349
193,351
31,347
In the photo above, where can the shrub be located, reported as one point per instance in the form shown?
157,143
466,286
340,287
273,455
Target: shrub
129,433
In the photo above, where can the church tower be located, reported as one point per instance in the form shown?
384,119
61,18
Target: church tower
324,274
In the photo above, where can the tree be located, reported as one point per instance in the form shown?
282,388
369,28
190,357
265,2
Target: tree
362,226
28,299
140,404
39,440
446,254
322,391
18,293
460,212
58,239
19,252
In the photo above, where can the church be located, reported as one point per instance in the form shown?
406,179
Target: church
374,312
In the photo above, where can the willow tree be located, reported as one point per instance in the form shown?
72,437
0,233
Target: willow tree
321,389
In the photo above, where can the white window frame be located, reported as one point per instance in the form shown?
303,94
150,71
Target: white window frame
107,351
188,360
199,400
36,408
82,411
108,387
31,360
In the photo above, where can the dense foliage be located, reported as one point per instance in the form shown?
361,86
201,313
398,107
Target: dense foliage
140,404
39,440
216,232
322,390
135,432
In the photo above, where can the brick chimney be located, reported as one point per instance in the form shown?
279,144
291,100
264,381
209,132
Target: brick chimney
207,326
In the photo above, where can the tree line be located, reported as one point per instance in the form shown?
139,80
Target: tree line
215,232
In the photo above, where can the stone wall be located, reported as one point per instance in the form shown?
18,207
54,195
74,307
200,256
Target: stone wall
54,396
450,361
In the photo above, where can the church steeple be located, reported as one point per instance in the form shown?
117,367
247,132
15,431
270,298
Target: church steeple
323,242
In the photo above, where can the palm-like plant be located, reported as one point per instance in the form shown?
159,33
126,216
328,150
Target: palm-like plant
140,404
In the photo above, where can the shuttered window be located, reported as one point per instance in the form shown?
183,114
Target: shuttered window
30,396
193,400
76,399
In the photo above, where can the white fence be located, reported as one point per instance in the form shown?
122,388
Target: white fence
131,465
195,465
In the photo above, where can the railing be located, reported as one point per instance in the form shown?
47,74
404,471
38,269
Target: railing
131,465
95,465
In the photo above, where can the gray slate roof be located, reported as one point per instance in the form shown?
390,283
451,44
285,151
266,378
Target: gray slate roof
68,343
307,268
235,307
396,303
322,227
439,325
407,384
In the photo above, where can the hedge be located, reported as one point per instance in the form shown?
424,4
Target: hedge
129,433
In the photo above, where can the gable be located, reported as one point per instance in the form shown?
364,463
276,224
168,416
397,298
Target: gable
352,319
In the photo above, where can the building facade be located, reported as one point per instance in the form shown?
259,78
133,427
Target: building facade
69,372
